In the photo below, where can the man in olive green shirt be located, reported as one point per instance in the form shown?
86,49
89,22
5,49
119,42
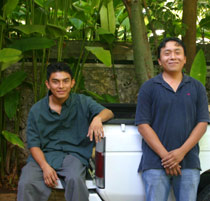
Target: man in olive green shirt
60,132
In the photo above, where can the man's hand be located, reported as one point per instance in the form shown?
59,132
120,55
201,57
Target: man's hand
50,176
96,129
172,159
174,171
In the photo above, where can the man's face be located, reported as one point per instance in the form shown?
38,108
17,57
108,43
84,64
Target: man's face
60,84
172,57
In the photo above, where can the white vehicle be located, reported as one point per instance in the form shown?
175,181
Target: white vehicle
117,158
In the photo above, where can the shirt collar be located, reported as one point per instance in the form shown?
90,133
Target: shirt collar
159,78
67,102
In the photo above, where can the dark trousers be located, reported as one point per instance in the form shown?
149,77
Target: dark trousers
31,186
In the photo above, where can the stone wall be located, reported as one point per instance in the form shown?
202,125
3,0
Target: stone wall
100,79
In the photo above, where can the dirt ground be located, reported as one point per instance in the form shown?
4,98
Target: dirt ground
56,195
8,196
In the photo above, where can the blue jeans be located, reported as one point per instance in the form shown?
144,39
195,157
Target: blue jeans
158,183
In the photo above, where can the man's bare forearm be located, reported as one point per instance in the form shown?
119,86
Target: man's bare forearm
105,115
152,139
38,156
194,137
96,126
174,157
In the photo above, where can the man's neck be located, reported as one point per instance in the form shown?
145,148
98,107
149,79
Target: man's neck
173,79
57,101
56,104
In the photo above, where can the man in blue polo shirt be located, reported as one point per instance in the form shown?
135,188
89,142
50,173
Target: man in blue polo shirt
60,132
172,115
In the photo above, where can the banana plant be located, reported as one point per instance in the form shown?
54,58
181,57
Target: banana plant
199,69
107,32
107,16
9,96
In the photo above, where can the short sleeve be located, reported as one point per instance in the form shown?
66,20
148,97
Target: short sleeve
90,107
94,107
144,106
33,137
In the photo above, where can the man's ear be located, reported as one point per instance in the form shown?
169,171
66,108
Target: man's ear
73,83
47,84
159,62
185,59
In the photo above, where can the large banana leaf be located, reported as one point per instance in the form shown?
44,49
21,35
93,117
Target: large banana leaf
107,16
102,54
10,6
29,29
13,138
9,56
11,101
33,43
104,98
96,96
11,82
54,31
110,99
198,69
77,23
39,3
106,36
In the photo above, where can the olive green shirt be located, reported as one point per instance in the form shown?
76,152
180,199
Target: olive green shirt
60,134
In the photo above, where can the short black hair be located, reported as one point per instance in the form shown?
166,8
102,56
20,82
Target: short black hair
165,40
58,67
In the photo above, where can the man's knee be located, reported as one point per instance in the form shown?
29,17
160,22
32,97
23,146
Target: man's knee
74,180
33,190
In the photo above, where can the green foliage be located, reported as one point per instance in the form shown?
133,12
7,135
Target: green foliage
10,6
11,102
77,23
106,36
205,23
107,16
198,69
11,82
9,56
13,138
165,16
55,31
39,2
101,54
104,98
2,21
29,29
33,43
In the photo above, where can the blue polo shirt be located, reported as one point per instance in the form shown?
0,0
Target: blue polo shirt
60,134
172,115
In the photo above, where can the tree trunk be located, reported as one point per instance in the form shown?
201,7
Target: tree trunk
141,50
189,19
